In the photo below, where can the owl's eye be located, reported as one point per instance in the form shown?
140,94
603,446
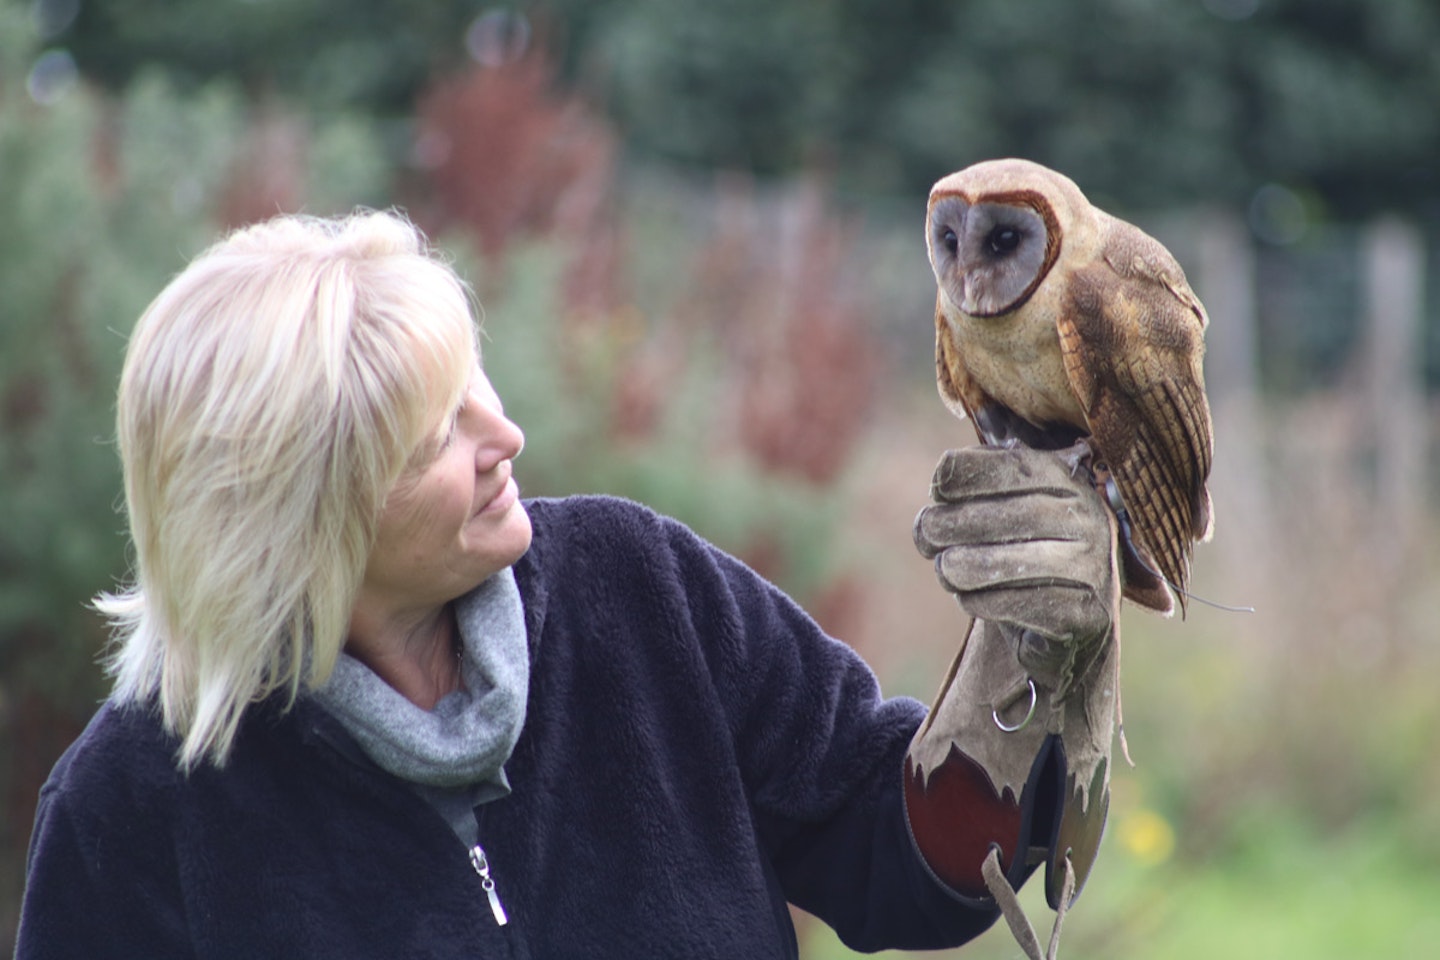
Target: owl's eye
1003,240
951,241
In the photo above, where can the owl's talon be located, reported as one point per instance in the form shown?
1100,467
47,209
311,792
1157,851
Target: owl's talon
1078,456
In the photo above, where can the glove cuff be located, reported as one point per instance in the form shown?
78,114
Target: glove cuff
1003,761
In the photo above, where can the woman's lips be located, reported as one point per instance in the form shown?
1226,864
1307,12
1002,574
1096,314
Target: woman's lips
504,498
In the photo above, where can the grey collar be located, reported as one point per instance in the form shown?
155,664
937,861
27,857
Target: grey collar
467,738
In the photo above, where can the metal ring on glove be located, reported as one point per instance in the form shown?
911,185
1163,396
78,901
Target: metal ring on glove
1029,714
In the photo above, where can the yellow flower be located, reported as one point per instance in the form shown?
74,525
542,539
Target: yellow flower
1146,836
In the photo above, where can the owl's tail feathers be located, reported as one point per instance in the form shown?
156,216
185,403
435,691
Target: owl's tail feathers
1142,580
1142,583
1203,516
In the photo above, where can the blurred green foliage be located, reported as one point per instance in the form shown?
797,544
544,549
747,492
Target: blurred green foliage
1152,102
1292,893
375,54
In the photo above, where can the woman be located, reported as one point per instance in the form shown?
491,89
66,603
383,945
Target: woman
368,703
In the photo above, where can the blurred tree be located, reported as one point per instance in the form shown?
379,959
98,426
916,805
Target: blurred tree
1152,102
333,53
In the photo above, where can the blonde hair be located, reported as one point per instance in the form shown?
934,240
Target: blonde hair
271,396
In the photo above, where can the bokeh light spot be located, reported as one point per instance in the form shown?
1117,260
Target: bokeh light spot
498,37
1277,215
51,77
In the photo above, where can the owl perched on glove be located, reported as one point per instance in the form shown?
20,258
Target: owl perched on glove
1058,324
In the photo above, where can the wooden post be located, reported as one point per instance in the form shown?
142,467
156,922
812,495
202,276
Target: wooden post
1225,281
1394,291
1225,257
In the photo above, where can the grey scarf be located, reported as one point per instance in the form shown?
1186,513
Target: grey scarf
467,738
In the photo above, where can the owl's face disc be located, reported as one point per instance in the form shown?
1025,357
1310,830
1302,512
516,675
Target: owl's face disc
989,256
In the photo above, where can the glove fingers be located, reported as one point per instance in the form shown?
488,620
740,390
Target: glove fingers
1023,540
1062,515
974,472
1025,563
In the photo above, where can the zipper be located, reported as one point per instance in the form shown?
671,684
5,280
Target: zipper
487,883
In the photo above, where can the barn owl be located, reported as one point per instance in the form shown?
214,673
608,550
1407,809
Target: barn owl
1056,323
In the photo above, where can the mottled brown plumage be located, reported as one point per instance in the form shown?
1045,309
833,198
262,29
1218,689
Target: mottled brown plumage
1055,322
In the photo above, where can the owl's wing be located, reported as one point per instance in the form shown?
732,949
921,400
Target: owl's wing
1132,339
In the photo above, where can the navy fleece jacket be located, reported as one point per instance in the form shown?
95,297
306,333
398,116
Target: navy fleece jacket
696,753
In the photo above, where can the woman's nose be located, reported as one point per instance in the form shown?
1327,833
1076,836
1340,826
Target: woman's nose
500,437
512,438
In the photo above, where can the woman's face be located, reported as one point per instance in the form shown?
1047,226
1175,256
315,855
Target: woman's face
456,518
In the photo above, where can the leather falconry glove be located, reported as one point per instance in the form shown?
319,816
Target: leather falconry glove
1014,756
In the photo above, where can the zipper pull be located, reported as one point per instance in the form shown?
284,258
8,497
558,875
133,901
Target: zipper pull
487,883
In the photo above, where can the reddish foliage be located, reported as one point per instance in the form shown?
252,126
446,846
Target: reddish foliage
270,175
806,361
651,371
506,157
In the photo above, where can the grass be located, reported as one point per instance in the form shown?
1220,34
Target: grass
1287,893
